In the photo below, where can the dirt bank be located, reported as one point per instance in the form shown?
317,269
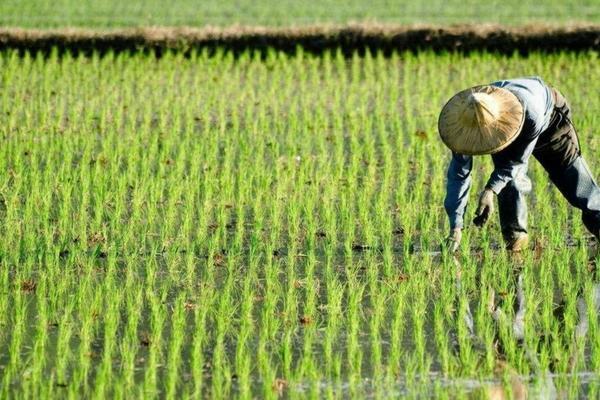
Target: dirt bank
316,39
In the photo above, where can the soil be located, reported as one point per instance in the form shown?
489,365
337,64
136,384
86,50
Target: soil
314,39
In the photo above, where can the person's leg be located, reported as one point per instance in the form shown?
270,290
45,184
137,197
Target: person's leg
578,186
512,208
559,153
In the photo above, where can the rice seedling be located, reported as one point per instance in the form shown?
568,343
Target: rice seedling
268,225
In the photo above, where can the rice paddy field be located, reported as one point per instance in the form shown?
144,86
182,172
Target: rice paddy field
268,226
114,13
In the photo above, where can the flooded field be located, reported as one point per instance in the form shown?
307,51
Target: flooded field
264,227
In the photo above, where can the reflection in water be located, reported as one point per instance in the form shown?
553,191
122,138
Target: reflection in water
517,386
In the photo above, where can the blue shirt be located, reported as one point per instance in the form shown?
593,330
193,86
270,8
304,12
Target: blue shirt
538,103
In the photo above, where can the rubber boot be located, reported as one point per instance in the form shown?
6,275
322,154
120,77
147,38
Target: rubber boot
517,241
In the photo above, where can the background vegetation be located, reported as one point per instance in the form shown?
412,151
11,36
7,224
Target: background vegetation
113,13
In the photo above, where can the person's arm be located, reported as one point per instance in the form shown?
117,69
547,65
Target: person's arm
457,189
509,164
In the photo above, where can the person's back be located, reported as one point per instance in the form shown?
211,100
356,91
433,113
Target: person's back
537,99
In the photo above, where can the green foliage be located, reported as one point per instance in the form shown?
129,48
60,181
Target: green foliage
215,227
135,13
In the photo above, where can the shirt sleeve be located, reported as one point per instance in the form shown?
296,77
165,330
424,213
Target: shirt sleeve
457,188
509,164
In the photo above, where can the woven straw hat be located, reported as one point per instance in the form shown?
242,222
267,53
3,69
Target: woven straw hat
481,120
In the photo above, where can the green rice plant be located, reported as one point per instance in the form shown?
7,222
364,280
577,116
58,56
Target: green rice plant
268,225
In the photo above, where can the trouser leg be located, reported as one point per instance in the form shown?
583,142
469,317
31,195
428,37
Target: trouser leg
512,207
581,190
559,152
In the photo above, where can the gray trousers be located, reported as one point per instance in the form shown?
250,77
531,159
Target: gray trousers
559,153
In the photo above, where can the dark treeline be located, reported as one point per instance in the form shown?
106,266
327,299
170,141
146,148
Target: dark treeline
348,39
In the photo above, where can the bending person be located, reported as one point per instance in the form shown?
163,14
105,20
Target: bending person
512,120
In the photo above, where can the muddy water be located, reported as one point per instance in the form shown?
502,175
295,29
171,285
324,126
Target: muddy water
424,382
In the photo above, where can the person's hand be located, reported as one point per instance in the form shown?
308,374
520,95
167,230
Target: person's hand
485,208
452,242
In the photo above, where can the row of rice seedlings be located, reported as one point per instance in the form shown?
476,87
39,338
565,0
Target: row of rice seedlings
211,226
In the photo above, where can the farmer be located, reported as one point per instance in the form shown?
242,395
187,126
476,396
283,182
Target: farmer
512,120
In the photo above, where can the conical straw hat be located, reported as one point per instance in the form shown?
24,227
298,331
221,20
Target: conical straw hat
481,120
